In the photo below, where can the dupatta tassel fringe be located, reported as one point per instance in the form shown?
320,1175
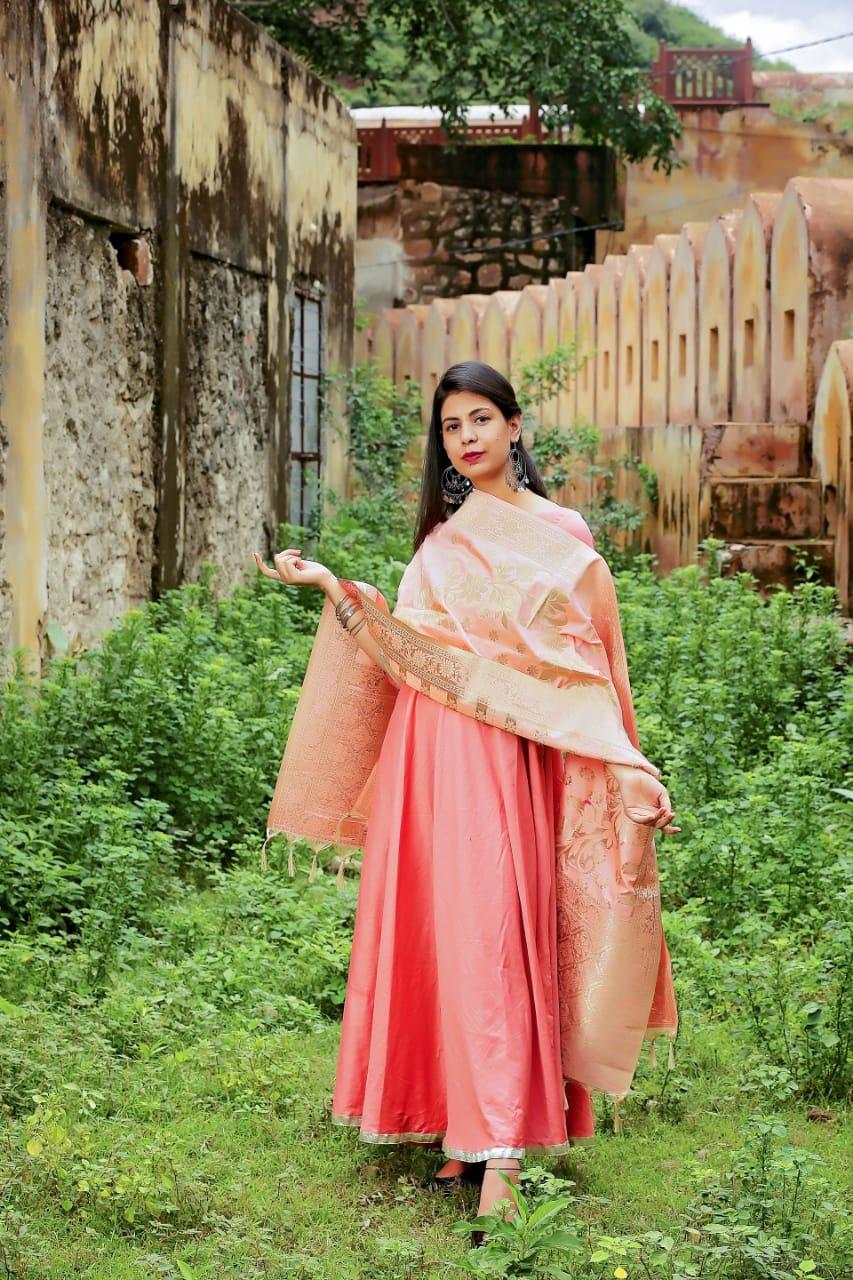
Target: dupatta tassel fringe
264,864
616,1098
263,861
343,859
316,850
651,1039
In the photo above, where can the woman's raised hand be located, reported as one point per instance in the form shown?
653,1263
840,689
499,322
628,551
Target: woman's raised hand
292,570
645,798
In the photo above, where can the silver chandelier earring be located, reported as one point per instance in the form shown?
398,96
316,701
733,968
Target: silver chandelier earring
516,469
454,486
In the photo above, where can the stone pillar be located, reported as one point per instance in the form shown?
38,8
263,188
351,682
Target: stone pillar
714,319
606,367
683,293
751,309
811,289
407,366
550,341
24,549
463,339
551,315
434,359
655,376
831,450
494,329
567,400
587,338
384,339
412,335
525,337
629,358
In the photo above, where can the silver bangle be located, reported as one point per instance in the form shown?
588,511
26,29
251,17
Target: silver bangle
345,599
345,614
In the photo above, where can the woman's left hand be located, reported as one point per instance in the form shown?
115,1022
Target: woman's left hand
645,799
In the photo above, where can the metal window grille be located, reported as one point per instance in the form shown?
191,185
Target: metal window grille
306,406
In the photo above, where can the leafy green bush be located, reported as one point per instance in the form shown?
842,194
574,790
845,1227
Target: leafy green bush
770,1213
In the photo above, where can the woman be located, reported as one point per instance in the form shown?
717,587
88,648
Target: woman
507,952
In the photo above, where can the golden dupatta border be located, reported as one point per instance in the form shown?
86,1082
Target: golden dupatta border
614,970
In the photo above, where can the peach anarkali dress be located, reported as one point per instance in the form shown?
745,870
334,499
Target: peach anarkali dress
451,1027
508,953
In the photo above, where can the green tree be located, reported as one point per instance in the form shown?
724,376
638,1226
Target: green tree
578,60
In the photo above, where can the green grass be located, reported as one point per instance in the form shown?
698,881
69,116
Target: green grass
234,1113
169,1015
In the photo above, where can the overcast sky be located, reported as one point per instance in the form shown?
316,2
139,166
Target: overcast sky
774,24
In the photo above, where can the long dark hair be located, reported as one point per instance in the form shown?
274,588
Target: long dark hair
483,380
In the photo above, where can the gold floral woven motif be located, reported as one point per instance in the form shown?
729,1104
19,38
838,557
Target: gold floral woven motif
511,620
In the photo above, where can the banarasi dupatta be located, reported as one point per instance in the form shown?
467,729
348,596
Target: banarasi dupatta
507,617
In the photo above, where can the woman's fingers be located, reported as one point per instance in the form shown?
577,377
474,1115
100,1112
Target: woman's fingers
288,564
264,568
283,561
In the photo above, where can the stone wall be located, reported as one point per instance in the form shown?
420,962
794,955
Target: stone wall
169,178
100,441
798,124
753,309
451,225
228,440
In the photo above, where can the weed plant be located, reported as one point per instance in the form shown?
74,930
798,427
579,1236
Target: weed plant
168,1012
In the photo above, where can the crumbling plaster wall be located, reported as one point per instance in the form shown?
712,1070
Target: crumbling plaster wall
145,412
228,433
5,589
100,439
322,184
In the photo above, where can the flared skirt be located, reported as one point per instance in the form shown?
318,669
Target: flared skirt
451,1026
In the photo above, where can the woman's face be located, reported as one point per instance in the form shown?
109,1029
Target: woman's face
472,424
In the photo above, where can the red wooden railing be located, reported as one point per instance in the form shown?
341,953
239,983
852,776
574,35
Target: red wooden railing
378,160
703,77
684,77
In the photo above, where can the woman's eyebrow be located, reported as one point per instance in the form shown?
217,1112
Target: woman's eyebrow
453,417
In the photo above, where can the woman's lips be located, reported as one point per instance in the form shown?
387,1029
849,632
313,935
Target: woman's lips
472,457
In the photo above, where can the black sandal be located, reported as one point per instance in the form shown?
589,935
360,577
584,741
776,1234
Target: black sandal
453,1182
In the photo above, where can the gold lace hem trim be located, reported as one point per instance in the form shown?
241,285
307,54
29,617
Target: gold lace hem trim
454,1153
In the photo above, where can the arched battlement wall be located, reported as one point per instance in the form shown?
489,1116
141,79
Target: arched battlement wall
630,342
720,357
751,308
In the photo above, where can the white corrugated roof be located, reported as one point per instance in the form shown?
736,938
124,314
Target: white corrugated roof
372,117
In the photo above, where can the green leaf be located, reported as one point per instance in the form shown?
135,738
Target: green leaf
545,1212
560,1239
